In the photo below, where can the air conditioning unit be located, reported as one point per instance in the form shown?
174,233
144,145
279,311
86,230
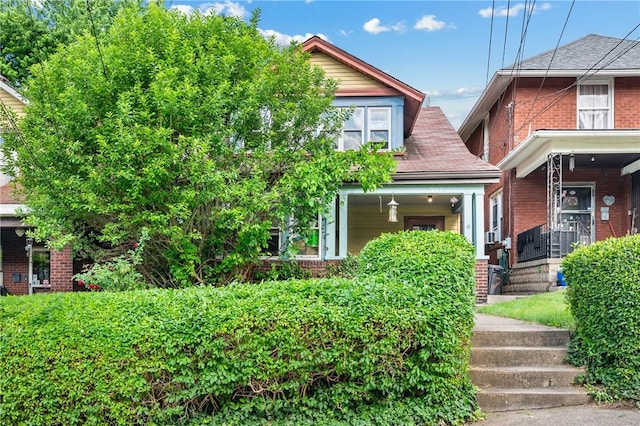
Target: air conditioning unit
489,237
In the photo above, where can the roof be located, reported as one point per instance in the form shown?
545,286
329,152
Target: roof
413,98
591,52
436,151
590,55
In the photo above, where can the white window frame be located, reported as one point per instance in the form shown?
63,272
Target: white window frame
609,109
372,126
282,234
495,218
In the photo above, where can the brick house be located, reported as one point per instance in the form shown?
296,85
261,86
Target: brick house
438,183
564,128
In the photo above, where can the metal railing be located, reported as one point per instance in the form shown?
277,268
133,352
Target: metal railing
539,243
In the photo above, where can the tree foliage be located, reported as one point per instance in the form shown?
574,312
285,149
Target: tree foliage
193,128
32,30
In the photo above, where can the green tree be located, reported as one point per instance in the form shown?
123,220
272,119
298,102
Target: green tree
32,30
194,129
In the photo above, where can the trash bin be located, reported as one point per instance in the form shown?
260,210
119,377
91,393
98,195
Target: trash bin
495,279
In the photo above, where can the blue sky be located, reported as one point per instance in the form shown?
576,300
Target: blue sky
447,49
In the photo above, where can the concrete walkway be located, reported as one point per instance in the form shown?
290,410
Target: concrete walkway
582,415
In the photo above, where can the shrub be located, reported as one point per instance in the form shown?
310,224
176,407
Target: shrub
330,351
604,295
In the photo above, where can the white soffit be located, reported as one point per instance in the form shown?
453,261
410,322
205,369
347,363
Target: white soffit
534,151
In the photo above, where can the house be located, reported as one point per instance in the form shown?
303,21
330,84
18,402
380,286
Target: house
438,183
25,267
564,128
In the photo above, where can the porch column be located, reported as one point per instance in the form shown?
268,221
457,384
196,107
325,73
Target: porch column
342,242
467,217
479,225
330,232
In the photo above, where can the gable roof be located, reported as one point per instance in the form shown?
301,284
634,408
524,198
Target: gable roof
590,55
413,98
435,152
6,87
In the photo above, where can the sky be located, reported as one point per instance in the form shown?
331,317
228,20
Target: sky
446,49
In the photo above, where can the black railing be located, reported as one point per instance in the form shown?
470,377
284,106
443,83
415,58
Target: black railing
538,243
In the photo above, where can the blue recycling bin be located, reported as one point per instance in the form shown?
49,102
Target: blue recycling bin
561,282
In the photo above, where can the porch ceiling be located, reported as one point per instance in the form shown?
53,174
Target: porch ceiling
608,148
373,200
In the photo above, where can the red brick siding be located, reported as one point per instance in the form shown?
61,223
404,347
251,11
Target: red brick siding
61,270
626,93
481,270
14,260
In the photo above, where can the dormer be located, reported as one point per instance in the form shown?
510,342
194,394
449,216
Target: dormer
385,109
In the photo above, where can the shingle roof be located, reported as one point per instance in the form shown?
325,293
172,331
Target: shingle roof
591,52
435,150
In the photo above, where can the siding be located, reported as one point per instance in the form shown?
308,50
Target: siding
15,104
367,223
348,77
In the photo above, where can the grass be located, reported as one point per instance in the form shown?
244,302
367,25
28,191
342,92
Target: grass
544,308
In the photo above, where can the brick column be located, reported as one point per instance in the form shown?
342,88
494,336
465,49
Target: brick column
482,283
61,270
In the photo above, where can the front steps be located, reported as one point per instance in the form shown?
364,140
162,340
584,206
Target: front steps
520,367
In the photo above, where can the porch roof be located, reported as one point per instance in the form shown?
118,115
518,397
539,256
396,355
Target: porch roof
621,148
434,151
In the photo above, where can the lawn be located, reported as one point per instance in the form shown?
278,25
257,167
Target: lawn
544,308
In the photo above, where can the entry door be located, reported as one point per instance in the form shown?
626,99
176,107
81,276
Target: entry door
423,223
577,214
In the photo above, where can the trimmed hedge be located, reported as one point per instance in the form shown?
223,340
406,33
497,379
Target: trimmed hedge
369,351
604,296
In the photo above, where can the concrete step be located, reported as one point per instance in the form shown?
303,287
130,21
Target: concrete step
524,377
508,399
546,337
517,356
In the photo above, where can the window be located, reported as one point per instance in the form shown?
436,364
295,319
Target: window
594,106
303,247
366,124
495,215
379,126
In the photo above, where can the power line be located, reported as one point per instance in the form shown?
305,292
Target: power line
493,5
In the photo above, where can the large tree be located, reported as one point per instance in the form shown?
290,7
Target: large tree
31,30
193,129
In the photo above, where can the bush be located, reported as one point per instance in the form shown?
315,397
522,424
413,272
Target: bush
604,295
330,351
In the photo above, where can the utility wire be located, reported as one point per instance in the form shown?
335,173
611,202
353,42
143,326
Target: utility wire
493,6
95,36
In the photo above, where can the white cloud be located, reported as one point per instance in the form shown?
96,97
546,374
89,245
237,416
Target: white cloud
228,8
461,92
429,23
285,39
373,26
512,11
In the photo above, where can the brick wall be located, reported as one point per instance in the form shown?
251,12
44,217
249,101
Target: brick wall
482,280
61,270
14,261
626,106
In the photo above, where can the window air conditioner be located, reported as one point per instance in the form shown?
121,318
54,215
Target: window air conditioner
489,237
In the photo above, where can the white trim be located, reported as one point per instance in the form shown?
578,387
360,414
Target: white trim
610,101
631,168
535,149
13,92
11,209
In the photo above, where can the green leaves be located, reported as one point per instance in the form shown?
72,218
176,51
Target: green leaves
331,351
604,295
200,131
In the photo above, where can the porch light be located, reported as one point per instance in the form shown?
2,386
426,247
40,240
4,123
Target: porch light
572,162
453,201
593,158
19,232
430,199
393,210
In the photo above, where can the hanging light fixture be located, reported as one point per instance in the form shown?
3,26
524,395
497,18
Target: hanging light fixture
429,199
572,162
393,210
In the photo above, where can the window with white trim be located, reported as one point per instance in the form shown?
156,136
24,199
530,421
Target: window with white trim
495,215
595,105
366,124
305,247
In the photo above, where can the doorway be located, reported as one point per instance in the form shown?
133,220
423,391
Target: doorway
423,223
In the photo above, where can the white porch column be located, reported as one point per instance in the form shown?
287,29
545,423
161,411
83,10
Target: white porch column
342,243
467,216
479,225
330,232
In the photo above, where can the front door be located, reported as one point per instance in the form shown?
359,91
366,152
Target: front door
577,214
423,223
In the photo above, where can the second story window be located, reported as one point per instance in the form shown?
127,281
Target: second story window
366,124
594,106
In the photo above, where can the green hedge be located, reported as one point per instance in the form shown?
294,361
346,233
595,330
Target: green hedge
333,351
604,295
